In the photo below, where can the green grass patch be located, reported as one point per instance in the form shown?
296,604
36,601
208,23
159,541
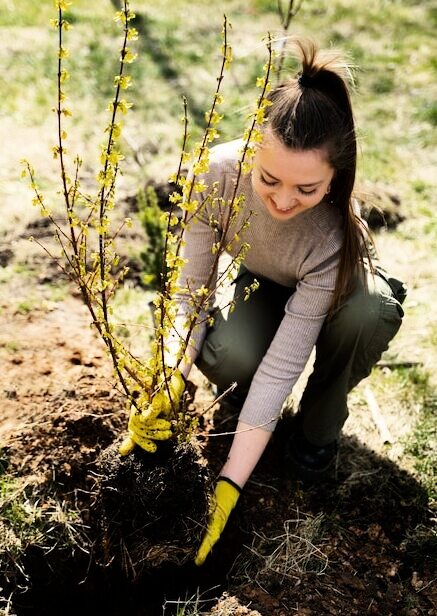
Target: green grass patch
23,13
422,443
411,389
32,517
428,112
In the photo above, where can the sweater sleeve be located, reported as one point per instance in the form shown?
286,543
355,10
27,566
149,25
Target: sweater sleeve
199,271
291,347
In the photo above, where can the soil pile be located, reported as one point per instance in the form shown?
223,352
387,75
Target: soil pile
151,508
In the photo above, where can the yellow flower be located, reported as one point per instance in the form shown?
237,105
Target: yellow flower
229,58
190,206
175,197
124,81
128,56
105,179
200,167
123,105
132,34
121,16
115,157
212,134
213,117
200,186
62,5
116,130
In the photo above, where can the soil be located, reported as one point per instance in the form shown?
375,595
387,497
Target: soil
359,543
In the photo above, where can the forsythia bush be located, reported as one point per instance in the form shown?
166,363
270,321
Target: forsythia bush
87,251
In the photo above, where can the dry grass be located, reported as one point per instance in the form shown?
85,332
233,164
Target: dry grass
30,515
296,551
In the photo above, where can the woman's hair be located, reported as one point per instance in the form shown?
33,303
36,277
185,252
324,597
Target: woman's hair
313,111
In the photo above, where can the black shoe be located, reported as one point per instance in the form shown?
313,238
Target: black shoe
307,462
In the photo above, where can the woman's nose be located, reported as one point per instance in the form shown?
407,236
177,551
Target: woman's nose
284,199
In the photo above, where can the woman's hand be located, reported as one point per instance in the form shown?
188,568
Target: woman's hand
225,498
247,448
153,424
144,431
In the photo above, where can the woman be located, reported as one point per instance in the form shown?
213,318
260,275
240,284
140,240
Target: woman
308,249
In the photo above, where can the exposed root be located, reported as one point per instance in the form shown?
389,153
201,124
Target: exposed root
150,508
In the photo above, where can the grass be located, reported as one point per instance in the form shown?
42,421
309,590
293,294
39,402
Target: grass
190,606
31,516
421,444
410,390
179,54
296,550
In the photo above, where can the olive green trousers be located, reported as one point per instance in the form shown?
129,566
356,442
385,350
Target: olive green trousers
349,344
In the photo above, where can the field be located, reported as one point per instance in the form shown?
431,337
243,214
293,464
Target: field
365,541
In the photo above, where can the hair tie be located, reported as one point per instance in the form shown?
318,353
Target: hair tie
305,81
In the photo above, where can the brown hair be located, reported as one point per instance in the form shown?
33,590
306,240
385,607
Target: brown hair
312,111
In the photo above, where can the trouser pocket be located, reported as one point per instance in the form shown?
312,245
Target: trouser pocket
397,286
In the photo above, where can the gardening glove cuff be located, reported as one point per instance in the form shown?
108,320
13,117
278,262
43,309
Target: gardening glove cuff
226,496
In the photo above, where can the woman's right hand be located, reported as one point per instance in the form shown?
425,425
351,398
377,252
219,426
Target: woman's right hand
153,423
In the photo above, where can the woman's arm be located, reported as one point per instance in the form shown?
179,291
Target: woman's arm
247,448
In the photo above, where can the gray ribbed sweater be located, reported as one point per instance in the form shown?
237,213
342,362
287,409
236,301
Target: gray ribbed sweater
301,253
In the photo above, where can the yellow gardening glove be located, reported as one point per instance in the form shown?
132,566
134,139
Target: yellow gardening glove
161,404
143,432
225,498
146,427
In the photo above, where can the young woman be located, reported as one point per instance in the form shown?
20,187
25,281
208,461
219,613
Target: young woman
308,250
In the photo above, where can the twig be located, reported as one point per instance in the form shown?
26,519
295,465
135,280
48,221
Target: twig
233,432
285,18
398,364
377,416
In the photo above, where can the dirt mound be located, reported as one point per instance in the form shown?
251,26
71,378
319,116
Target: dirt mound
151,508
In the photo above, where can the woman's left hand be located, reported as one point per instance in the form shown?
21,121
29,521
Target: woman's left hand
225,498
247,448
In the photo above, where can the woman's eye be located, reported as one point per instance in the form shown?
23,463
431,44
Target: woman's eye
266,182
307,192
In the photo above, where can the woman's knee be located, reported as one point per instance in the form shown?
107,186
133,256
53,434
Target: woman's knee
224,363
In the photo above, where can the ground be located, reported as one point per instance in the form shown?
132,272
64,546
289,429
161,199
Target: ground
361,543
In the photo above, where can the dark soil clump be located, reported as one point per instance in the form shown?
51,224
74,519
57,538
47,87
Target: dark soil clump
151,508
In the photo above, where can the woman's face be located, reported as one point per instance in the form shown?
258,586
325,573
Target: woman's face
289,181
